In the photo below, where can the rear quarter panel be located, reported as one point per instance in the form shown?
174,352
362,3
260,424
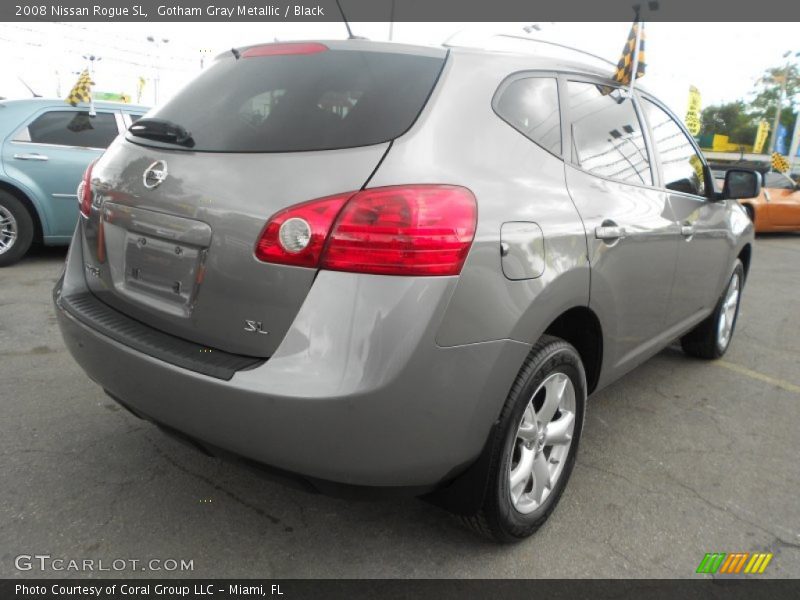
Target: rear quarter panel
460,140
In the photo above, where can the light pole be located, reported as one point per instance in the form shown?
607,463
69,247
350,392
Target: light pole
92,59
203,53
787,55
157,41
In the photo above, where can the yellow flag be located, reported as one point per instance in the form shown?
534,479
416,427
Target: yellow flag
693,123
625,64
761,137
779,163
82,90
140,89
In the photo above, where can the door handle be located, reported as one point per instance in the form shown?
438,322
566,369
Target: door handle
609,232
687,230
32,156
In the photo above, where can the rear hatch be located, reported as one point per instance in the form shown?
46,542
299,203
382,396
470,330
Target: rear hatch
180,203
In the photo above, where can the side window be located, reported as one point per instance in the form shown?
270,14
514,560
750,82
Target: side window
73,128
681,165
134,117
606,133
531,107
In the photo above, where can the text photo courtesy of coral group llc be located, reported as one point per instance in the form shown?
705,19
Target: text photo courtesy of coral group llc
392,299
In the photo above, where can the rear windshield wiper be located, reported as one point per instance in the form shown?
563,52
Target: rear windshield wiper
162,130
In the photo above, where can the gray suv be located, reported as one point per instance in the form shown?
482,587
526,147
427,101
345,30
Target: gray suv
374,267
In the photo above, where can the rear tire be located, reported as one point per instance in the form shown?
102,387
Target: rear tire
712,337
518,502
16,229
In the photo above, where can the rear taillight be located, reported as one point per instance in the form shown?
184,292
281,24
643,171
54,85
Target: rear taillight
398,230
283,240
85,191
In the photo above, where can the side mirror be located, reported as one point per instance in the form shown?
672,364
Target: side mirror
741,183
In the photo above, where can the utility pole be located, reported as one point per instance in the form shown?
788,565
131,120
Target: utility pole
156,65
793,145
784,78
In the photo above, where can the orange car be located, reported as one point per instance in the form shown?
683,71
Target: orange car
777,207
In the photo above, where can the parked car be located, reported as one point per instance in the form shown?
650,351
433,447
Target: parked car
374,266
45,146
777,207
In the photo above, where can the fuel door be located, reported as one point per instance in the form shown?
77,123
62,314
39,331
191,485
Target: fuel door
522,250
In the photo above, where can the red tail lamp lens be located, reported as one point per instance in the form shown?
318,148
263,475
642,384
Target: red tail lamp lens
317,215
398,230
404,230
85,191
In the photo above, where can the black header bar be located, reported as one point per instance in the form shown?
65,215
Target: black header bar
399,10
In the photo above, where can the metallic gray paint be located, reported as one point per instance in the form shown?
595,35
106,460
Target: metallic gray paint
356,393
390,381
234,195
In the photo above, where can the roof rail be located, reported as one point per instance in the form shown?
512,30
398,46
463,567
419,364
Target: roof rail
450,44
556,44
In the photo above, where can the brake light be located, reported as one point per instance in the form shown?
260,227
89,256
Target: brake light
397,230
296,235
85,191
284,49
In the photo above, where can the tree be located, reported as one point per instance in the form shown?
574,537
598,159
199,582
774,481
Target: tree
768,89
731,119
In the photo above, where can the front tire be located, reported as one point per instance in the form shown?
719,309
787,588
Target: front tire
16,229
712,337
535,443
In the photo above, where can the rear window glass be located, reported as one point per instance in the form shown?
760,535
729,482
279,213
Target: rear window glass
530,106
285,103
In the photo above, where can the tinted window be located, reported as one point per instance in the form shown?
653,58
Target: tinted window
73,128
778,181
531,106
606,134
681,165
331,99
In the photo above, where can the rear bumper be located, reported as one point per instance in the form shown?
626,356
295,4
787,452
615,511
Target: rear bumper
357,393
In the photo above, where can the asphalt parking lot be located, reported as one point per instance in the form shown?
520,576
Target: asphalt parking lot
680,458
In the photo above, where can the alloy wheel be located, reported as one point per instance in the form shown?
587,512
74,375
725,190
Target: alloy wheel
727,315
542,443
8,230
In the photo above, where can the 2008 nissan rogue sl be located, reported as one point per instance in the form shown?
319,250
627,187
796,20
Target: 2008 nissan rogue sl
372,265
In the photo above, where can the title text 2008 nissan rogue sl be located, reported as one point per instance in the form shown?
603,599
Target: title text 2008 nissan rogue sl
383,266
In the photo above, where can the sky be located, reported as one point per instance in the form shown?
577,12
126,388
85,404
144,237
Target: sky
723,60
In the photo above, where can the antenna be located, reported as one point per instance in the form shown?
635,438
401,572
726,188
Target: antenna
350,35
30,89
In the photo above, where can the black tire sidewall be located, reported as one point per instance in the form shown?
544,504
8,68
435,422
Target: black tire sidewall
24,229
513,524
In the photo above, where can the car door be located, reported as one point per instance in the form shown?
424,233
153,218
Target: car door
702,224
629,226
51,151
783,205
